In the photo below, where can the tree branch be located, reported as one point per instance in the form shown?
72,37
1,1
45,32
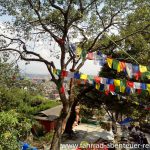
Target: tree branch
52,2
42,24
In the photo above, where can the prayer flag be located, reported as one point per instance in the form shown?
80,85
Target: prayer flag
137,85
132,90
135,68
109,62
129,69
137,75
123,83
143,86
102,86
70,75
83,76
128,90
115,64
62,89
148,87
116,82
54,71
111,88
97,79
122,89
77,75
142,68
119,67
122,66
130,84
58,72
139,91
103,80
64,73
78,51
97,86
117,89
110,81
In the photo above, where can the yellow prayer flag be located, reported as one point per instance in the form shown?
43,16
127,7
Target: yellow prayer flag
116,82
148,87
109,62
143,68
54,71
83,76
78,51
122,89
119,67
97,86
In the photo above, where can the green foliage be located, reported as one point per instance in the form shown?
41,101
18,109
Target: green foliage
23,101
8,73
18,103
47,138
12,128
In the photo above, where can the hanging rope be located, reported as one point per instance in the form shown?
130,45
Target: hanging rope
121,48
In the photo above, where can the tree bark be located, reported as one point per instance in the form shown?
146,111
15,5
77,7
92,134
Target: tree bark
71,119
60,126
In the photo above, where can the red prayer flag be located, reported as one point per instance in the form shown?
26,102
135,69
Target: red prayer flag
62,89
64,73
130,84
111,88
137,75
97,79
139,91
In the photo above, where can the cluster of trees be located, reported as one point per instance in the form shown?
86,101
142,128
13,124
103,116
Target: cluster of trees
84,21
18,104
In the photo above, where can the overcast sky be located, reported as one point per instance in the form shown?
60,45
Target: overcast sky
40,68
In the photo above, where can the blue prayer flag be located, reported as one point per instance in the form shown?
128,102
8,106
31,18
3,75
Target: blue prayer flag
143,86
128,90
77,75
102,86
135,68
109,81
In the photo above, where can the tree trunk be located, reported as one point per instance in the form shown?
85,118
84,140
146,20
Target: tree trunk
71,119
60,126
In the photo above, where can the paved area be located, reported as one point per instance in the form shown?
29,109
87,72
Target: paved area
87,133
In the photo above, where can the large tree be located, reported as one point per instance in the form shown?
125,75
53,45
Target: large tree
61,22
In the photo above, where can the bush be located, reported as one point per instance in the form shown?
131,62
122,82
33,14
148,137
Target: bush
11,130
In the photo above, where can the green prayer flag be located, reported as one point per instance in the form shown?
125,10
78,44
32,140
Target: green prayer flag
123,83
117,89
115,64
83,54
90,77
147,74
58,72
